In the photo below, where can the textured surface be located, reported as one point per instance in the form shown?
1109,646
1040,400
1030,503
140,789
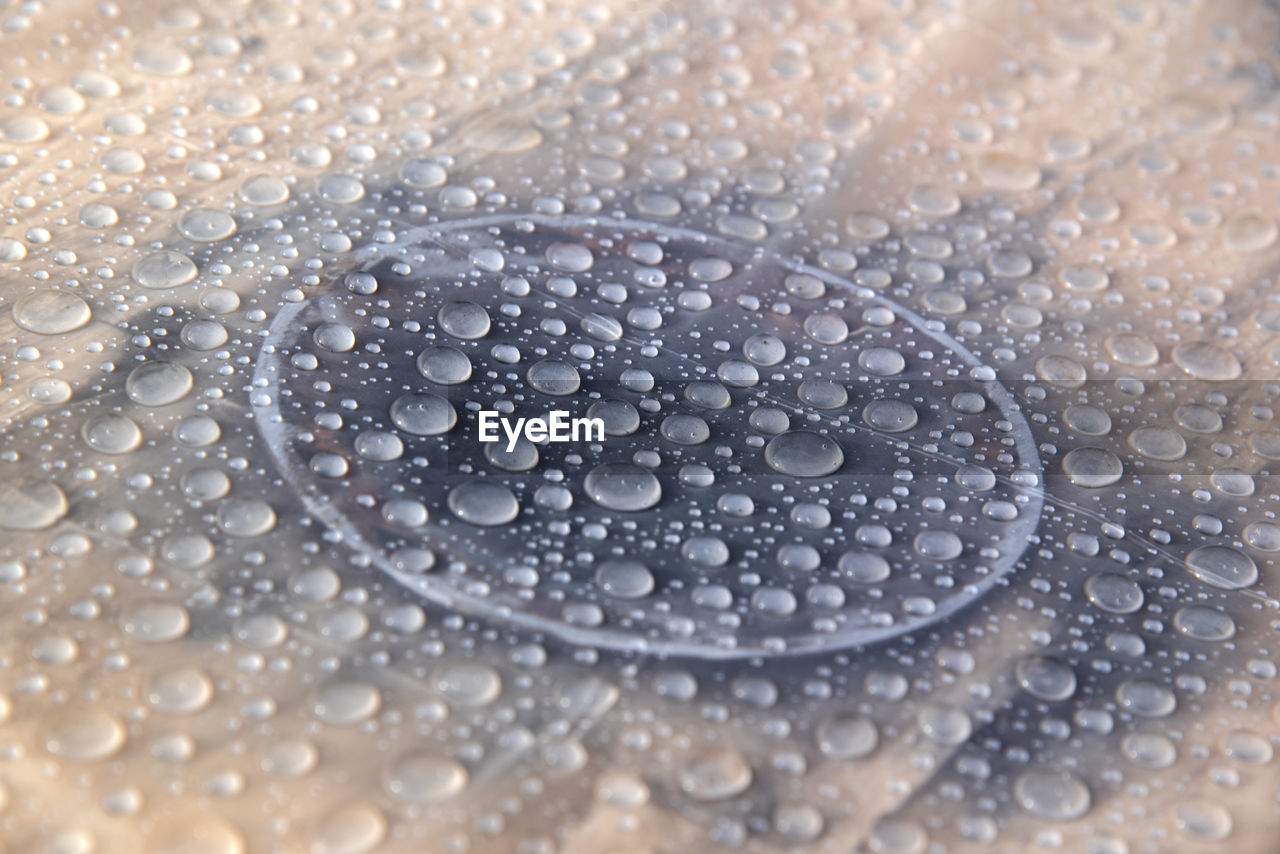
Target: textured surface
938,349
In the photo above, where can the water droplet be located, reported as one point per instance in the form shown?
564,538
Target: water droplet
1113,593
1046,678
30,505
803,454
623,487
51,312
155,622
1222,567
483,504
715,775
158,383
164,269
1052,795
1092,468
465,320
85,736
422,778
847,737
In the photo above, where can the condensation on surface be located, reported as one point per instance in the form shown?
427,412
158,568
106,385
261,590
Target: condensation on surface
937,348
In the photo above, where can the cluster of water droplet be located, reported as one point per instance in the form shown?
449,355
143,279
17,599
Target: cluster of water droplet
936,507
790,461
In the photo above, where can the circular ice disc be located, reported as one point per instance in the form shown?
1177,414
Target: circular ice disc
786,469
